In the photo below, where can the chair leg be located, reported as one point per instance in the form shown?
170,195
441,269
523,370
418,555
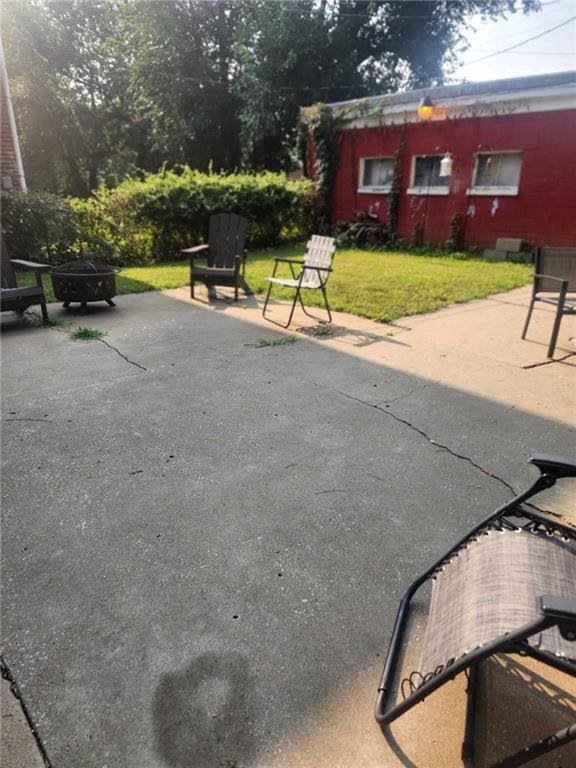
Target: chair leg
44,311
191,289
266,300
325,303
282,325
555,329
296,297
527,323
470,730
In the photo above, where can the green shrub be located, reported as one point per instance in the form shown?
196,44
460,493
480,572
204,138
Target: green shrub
142,221
151,219
44,227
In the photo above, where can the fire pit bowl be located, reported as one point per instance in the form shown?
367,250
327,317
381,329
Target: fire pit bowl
84,281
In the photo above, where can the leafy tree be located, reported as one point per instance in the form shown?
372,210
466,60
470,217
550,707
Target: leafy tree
69,64
294,55
103,88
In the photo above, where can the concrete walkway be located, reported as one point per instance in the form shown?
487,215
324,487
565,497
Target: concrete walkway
205,541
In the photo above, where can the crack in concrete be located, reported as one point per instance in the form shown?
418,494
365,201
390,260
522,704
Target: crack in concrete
111,346
427,437
377,477
330,490
43,421
7,675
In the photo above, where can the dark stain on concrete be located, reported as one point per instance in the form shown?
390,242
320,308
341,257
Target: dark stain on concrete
202,715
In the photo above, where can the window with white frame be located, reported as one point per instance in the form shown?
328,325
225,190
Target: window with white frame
426,178
496,173
376,174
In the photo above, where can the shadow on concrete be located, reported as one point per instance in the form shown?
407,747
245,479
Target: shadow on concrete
192,557
521,701
355,338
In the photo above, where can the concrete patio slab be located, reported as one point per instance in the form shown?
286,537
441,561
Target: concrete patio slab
474,346
204,542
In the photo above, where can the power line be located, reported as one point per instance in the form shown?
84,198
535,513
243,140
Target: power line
539,18
517,45
530,53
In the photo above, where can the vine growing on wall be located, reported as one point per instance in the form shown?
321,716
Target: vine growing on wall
454,242
394,193
319,124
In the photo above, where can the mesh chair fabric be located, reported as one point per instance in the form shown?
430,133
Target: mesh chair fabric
491,588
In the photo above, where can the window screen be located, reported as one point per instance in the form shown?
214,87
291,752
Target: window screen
498,170
377,172
427,172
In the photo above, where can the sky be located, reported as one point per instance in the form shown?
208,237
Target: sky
552,52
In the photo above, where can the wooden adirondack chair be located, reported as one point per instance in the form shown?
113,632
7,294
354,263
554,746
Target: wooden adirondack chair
225,254
12,297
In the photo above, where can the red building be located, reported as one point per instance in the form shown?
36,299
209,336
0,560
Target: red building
489,160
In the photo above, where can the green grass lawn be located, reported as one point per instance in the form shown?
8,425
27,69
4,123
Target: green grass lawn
381,286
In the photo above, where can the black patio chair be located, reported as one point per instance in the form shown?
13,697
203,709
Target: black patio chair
554,283
315,270
508,587
225,254
14,298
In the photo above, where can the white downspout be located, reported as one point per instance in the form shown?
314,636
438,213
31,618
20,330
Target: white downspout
11,119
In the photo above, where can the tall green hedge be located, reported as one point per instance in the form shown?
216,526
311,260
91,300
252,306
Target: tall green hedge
148,220
44,227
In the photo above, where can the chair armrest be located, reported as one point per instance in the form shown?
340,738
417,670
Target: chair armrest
32,266
289,261
550,277
557,466
561,611
561,608
196,250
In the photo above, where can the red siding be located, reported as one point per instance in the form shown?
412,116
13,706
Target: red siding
543,212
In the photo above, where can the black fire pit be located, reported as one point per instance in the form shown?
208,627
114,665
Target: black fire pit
84,281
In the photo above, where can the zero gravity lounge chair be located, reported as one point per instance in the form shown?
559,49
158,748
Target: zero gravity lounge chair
508,587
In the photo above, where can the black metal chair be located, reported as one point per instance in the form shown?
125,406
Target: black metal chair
315,270
14,298
507,587
554,283
225,254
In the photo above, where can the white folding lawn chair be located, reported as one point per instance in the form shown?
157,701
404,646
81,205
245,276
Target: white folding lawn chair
315,270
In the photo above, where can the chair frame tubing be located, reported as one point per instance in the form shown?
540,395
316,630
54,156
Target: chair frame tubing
298,292
559,303
564,278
